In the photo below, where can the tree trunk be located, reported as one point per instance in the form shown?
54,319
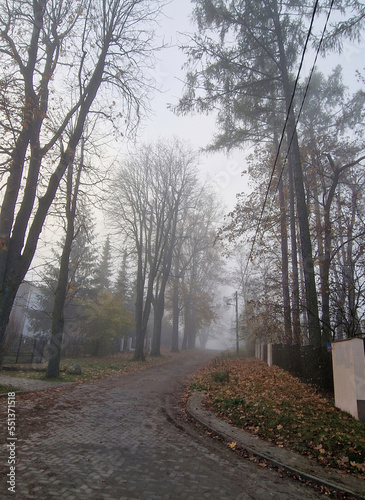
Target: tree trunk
158,311
354,326
294,262
186,322
192,329
175,317
285,264
175,307
14,264
305,237
58,321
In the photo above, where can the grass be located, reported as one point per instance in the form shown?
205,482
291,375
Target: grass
92,368
4,389
278,407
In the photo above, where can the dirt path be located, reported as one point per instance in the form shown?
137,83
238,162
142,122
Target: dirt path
114,439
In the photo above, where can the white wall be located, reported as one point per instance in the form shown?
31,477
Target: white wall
349,376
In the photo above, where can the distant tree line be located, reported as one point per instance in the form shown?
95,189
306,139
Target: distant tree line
169,222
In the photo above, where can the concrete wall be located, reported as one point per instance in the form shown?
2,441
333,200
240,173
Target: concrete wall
349,376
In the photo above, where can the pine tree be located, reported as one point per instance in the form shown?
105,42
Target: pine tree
103,271
122,284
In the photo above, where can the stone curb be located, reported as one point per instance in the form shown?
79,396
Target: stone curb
5,394
290,461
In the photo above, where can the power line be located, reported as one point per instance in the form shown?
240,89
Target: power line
306,91
287,118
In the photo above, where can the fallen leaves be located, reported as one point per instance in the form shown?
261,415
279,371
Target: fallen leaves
273,404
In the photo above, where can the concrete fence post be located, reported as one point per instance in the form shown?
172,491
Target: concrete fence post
348,359
269,354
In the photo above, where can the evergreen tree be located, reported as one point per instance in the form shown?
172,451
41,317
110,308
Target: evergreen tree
103,271
244,61
123,284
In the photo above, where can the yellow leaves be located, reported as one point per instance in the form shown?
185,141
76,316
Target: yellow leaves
232,445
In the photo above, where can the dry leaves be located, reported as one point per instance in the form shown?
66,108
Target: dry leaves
284,410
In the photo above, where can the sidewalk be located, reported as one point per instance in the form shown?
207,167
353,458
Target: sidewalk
29,385
293,462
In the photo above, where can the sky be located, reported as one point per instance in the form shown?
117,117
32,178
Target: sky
223,172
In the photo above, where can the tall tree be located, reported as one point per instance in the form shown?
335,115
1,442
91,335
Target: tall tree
85,48
72,192
333,144
242,73
201,267
182,165
144,207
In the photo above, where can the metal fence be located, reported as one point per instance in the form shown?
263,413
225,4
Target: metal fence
310,363
28,350
25,349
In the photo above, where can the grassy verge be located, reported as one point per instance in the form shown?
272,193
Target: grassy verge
4,389
278,407
92,368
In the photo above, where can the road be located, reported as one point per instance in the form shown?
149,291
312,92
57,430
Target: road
114,439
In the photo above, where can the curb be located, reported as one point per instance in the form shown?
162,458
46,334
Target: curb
279,457
5,394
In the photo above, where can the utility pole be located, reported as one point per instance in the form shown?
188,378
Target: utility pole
236,307
237,339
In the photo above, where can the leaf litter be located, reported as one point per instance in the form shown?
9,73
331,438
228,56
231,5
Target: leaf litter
278,407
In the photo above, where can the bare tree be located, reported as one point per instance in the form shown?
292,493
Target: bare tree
145,207
58,58
201,267
180,161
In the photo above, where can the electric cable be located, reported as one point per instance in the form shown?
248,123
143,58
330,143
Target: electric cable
306,91
286,121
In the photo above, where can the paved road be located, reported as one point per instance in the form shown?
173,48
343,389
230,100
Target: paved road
112,439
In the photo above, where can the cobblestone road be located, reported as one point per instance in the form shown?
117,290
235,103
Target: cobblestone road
111,439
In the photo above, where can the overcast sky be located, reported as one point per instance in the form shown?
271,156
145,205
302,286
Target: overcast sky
223,171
